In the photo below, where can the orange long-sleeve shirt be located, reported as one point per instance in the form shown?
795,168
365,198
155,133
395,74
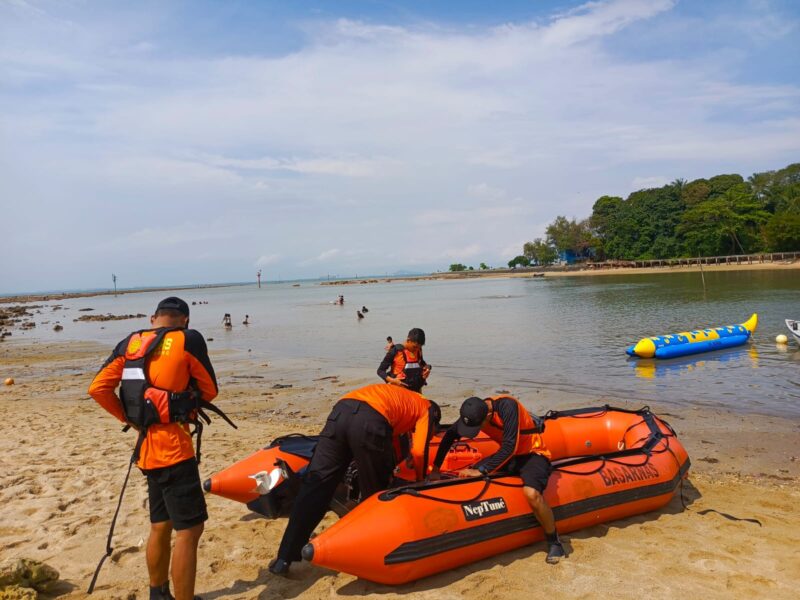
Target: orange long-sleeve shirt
406,412
181,360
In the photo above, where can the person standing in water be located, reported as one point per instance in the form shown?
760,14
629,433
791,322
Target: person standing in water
403,364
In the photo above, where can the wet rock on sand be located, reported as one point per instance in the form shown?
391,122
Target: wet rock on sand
109,317
24,577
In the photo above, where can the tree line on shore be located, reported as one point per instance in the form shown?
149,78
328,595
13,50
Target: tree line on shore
722,215
719,216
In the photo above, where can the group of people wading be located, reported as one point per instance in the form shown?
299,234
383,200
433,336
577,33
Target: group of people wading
166,383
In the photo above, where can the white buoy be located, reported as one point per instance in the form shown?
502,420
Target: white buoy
782,339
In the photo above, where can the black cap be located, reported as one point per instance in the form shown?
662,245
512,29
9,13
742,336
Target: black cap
174,303
472,414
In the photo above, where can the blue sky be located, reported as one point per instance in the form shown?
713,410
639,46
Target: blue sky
183,142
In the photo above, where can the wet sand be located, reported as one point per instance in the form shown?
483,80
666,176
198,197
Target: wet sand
63,459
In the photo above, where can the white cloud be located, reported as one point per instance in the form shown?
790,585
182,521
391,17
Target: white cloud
328,254
267,259
640,183
448,142
347,167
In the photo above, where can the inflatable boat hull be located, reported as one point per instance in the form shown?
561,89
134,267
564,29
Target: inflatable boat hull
268,480
427,528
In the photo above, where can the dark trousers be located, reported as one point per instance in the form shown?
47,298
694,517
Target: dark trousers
354,431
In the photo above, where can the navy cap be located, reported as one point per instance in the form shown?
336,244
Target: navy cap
174,303
472,414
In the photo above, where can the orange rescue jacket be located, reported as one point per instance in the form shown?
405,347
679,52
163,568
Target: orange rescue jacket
181,358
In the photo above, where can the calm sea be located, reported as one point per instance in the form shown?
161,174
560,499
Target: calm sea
564,335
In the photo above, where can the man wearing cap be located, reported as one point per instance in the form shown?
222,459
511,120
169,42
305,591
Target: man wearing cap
179,365
522,452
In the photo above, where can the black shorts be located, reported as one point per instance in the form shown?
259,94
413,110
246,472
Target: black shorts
176,495
534,469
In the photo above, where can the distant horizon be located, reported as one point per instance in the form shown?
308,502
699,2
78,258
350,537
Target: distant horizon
189,286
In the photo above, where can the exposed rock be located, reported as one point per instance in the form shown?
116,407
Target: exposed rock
15,592
85,309
23,574
109,317
58,328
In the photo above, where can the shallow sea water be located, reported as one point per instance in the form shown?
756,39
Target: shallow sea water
563,335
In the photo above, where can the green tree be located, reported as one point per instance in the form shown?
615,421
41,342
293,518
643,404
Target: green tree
603,224
695,192
539,252
455,267
483,267
639,227
782,232
720,184
518,260
779,191
727,223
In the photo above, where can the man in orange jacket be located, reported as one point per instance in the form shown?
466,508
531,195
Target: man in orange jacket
361,427
177,366
522,451
403,364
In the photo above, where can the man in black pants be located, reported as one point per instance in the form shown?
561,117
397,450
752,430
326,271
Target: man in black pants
522,451
361,427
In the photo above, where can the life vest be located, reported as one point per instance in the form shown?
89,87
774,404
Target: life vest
145,404
529,429
411,373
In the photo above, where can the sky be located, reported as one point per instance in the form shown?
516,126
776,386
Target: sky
177,142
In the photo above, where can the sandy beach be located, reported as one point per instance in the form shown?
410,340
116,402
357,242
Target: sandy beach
63,459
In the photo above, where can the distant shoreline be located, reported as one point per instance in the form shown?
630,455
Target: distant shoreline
529,272
70,295
483,274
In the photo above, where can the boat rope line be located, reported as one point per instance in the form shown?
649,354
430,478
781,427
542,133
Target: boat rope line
593,412
646,451
427,547
109,549
728,516
706,511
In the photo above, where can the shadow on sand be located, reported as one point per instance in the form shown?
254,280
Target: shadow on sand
301,578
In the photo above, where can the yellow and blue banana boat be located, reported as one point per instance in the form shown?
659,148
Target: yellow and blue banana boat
694,342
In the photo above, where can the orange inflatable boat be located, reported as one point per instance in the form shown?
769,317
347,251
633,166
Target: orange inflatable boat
267,481
609,463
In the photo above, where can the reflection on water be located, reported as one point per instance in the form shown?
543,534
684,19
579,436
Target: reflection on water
648,368
565,335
